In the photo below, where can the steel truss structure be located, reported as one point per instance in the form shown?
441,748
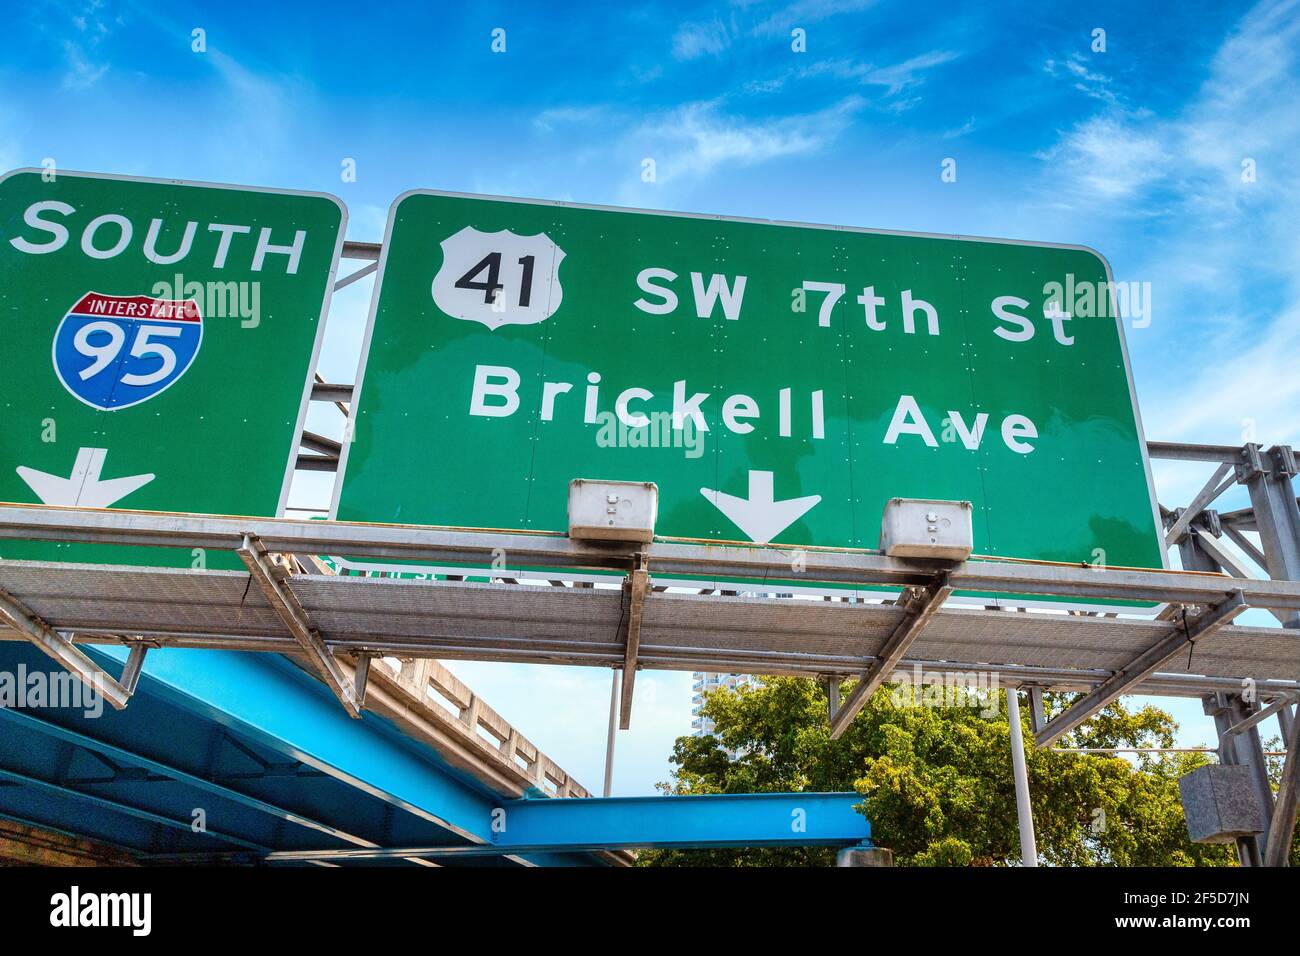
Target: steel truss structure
1189,647
1245,673
1198,532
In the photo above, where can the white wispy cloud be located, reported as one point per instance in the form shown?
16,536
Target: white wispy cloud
548,120
709,38
82,72
697,138
896,78
900,76
967,127
716,35
1251,387
256,116
1109,158
1087,80
804,12
1225,271
90,24
1245,108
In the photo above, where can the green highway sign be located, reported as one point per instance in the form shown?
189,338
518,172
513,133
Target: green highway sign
778,382
159,337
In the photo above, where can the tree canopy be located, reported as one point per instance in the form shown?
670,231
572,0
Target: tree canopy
936,781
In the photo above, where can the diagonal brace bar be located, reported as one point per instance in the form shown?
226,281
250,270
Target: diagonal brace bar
361,273
1258,717
270,581
1145,664
637,587
1216,486
14,613
1287,805
1248,548
921,607
1222,556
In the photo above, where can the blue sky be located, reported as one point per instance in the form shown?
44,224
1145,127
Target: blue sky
1136,151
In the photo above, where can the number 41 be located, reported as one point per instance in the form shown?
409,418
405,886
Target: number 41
491,263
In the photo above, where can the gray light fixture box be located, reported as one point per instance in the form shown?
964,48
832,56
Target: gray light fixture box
926,528
613,510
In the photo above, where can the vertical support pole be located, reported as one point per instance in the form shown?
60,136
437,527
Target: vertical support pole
1250,752
1217,706
134,665
1278,851
613,727
1037,716
1192,556
864,855
1024,813
1267,476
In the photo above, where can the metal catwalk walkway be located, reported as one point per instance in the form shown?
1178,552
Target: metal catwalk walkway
358,617
560,625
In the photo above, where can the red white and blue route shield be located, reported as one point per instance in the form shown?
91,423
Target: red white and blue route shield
115,351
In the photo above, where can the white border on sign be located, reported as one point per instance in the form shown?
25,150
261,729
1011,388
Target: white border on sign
1110,279
291,462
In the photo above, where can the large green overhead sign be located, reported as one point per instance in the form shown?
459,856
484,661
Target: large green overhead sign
158,339
778,382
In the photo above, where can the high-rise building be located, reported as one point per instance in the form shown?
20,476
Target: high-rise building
705,681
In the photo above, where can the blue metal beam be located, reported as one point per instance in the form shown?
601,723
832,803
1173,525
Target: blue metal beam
31,726
269,700
594,823
747,819
254,741
103,803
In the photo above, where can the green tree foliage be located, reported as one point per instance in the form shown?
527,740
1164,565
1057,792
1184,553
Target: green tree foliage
936,780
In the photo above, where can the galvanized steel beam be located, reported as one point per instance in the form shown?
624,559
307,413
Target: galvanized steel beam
1037,715
1145,664
1258,716
1216,486
636,588
1237,537
921,606
1221,555
271,581
1277,517
369,269
61,649
431,544
1287,803
1185,451
794,663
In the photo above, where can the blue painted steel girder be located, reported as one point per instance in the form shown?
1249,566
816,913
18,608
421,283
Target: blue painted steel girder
273,703
260,746
285,776
709,820
712,820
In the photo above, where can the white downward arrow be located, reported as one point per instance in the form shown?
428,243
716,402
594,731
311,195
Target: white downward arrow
760,515
83,487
